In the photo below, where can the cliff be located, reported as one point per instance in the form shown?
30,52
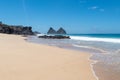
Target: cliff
12,29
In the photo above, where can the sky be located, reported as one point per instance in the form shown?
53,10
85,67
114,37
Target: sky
75,16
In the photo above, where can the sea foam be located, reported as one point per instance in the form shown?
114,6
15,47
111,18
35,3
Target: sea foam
112,40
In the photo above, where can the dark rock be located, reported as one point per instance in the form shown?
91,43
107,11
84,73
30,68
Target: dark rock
54,37
27,30
61,31
51,31
19,30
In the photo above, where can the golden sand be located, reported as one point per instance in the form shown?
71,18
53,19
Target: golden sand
21,60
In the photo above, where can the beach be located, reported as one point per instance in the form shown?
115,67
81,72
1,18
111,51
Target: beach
22,60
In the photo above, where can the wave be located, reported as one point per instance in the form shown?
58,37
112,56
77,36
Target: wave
111,40
88,47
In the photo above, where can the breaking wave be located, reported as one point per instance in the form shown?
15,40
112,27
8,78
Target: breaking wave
111,40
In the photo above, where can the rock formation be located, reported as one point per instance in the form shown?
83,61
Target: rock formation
51,31
11,29
57,34
61,31
54,37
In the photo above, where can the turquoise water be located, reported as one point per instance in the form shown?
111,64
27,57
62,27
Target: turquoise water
98,35
104,47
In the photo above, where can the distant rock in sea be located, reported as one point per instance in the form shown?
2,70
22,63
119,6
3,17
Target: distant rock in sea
61,31
12,29
51,31
54,36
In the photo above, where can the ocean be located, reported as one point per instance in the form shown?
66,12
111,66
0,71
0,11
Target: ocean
105,49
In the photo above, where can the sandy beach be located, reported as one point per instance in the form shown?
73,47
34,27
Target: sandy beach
21,60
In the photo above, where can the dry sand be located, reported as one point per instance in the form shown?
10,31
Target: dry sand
21,60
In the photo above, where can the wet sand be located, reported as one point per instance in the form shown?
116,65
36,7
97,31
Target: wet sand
21,60
106,72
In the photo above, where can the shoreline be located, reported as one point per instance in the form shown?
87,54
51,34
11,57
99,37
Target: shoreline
92,67
92,63
69,61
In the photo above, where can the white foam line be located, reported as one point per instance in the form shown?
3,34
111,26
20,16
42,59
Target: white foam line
103,51
91,65
111,40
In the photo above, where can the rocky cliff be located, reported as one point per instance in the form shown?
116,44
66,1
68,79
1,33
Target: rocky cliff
19,30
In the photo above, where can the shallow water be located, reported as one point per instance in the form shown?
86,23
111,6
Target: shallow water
106,53
106,72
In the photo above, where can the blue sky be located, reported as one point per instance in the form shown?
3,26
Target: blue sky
76,16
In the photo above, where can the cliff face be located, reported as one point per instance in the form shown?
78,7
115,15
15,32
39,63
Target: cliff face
20,30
